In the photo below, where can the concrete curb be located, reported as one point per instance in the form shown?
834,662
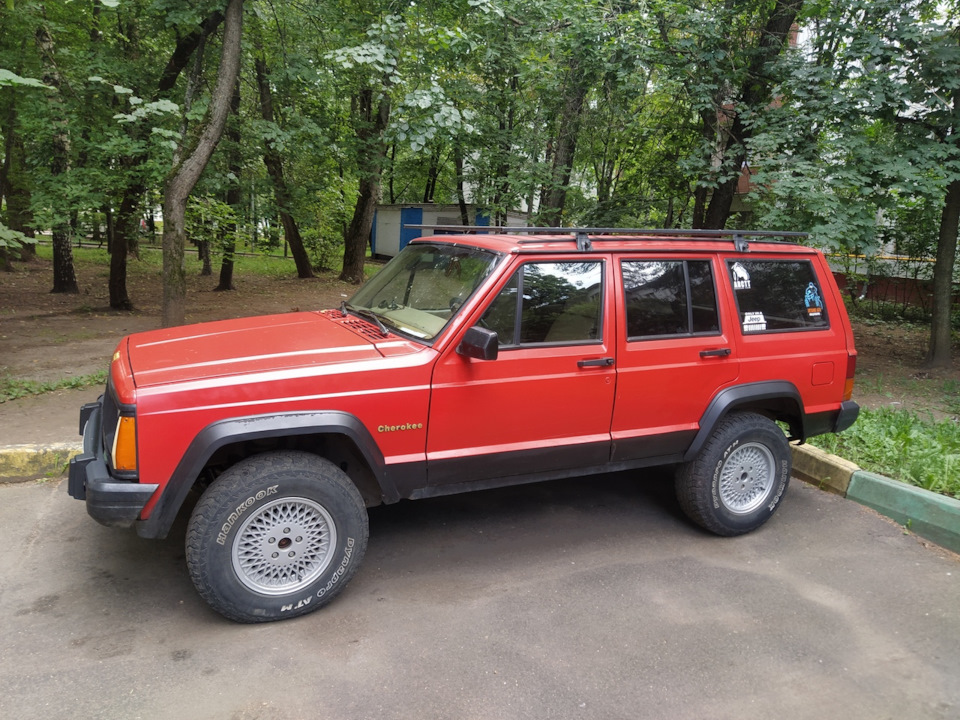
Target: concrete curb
930,515
22,462
826,471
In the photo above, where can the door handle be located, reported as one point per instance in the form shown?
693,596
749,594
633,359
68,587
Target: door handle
598,362
719,352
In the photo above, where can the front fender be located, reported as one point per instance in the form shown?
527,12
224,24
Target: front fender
243,429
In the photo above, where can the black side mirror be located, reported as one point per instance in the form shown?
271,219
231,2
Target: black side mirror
479,343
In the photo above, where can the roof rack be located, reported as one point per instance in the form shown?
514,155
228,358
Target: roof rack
585,242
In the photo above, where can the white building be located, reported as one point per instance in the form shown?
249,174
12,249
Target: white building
390,232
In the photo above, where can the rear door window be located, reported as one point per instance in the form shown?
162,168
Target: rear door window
669,297
777,296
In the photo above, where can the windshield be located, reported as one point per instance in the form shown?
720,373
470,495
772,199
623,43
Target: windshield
423,287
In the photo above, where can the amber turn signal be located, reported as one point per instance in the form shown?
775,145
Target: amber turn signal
125,444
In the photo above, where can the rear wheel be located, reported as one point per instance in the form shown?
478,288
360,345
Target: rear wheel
276,536
736,482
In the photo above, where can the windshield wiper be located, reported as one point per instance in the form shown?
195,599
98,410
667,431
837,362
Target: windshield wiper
368,314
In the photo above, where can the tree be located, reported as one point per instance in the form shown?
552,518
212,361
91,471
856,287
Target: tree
371,110
18,233
375,66
233,192
754,93
186,173
868,124
135,161
274,162
944,58
64,276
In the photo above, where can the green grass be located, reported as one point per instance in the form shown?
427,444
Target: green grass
902,445
13,388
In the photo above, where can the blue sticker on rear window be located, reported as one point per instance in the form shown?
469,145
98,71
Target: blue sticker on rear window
812,300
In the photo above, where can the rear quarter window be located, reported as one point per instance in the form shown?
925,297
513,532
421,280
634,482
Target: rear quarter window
777,296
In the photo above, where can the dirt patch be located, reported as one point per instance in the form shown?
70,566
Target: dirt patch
48,337
890,371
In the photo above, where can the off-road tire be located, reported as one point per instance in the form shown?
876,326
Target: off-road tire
736,482
276,536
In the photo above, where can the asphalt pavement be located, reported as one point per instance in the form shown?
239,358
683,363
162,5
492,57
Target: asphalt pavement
575,599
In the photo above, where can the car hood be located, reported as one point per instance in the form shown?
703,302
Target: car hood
256,345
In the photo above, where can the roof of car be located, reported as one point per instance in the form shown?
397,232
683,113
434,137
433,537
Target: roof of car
565,240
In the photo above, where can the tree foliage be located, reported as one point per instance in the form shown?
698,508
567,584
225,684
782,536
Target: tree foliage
842,115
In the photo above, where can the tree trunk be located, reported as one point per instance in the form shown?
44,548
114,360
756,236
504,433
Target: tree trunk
754,93
108,221
233,193
372,116
64,276
274,163
184,176
14,188
124,227
124,238
505,150
358,233
940,335
7,129
203,250
393,173
433,173
461,195
565,144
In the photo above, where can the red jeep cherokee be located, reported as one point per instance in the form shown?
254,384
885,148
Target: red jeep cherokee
470,361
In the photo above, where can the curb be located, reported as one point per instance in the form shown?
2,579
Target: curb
828,472
23,462
930,515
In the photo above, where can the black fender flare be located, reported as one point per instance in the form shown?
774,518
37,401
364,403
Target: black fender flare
242,429
732,397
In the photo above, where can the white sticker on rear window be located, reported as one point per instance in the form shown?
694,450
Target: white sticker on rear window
741,278
754,322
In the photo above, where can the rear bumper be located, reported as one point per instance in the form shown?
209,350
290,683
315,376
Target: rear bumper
112,502
849,411
831,422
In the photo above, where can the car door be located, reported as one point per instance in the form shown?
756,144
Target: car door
673,357
545,403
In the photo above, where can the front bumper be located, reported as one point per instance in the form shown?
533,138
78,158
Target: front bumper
111,502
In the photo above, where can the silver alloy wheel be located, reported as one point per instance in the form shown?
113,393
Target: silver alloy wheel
746,478
284,546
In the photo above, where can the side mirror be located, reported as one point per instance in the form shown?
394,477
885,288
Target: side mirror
479,343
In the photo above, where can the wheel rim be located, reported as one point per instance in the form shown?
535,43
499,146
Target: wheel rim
747,478
284,546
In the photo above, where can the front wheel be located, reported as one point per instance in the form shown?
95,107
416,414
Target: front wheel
276,536
736,482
